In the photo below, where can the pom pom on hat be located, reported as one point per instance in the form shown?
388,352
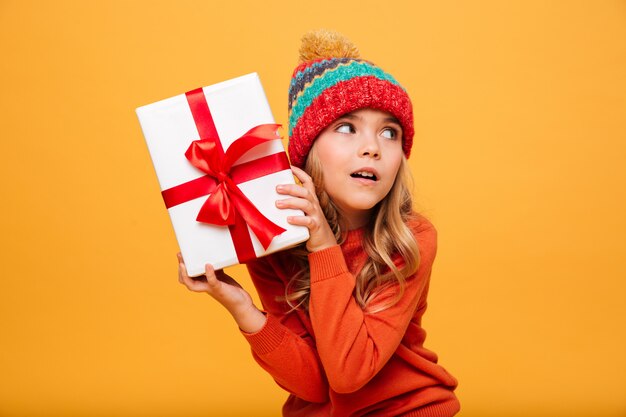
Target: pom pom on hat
332,80
326,44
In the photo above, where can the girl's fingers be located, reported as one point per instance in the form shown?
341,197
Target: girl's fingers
295,203
182,271
304,191
295,191
302,176
211,278
193,284
308,222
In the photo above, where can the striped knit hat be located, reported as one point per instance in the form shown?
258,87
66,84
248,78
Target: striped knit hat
330,81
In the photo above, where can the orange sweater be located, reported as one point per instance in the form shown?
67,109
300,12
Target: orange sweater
339,361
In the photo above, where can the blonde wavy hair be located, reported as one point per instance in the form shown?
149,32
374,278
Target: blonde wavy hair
386,237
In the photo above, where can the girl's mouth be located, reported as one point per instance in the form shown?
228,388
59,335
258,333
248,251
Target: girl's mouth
367,175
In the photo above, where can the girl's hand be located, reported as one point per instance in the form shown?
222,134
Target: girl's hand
227,292
305,199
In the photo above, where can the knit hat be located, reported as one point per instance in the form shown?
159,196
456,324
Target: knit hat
330,81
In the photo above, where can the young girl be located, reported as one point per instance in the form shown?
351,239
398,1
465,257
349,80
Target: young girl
340,328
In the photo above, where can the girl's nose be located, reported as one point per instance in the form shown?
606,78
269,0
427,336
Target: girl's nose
369,146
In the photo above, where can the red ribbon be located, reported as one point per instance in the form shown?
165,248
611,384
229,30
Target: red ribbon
227,199
227,205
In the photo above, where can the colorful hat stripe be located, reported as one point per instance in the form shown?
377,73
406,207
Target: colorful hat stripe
332,77
304,76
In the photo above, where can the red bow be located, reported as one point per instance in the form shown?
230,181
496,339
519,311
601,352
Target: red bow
220,207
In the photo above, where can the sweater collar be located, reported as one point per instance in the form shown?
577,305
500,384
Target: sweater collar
352,248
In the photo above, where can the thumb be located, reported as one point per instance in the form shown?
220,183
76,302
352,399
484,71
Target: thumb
211,278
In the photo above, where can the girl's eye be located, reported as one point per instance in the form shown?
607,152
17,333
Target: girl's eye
389,133
345,128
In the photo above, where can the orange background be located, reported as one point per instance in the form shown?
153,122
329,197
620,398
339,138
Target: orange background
519,158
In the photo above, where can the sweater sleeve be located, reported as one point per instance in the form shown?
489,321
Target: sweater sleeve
353,345
283,347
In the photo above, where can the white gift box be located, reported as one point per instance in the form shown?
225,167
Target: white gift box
169,127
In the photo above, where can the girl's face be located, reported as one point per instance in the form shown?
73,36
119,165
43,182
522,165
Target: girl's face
360,154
